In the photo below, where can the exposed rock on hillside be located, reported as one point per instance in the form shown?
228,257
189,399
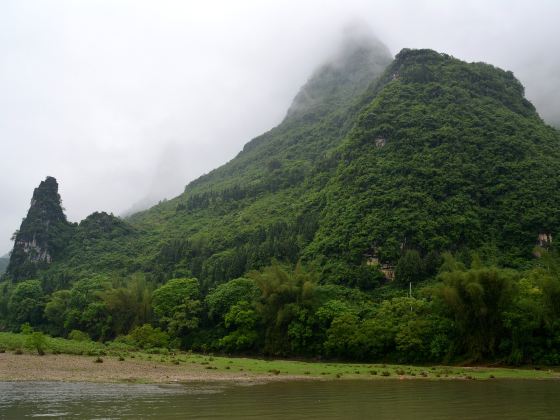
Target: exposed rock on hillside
42,233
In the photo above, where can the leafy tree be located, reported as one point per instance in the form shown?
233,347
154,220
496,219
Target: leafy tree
128,306
95,320
26,303
523,319
410,268
56,311
283,295
220,300
241,320
342,337
476,300
146,336
176,306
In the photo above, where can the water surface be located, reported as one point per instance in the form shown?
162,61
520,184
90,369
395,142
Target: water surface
381,399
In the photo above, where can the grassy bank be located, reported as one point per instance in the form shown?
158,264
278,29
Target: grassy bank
90,361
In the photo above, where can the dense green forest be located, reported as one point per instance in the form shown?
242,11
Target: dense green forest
404,210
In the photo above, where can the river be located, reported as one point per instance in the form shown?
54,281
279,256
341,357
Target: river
374,399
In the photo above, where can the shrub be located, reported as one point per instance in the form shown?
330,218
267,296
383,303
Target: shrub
78,335
37,341
147,336
26,329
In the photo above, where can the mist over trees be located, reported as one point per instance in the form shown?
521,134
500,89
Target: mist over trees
403,211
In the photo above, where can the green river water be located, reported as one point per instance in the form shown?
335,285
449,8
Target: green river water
379,399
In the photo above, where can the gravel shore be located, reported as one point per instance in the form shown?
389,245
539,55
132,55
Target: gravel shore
63,367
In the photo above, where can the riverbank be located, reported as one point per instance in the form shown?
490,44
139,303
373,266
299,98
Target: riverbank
70,360
146,368
72,368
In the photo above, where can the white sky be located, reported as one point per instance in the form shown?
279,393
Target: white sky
123,100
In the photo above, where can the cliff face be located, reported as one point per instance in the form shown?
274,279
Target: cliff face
42,233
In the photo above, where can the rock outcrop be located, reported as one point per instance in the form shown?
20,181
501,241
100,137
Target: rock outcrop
42,234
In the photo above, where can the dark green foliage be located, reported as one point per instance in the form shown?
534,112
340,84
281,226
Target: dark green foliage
241,322
476,300
463,161
56,311
437,169
410,268
285,304
220,300
176,306
128,306
26,303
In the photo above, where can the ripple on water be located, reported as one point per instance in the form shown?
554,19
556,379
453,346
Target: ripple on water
381,399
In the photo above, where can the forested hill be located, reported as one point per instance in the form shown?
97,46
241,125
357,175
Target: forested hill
438,155
374,157
318,119
257,206
447,156
421,170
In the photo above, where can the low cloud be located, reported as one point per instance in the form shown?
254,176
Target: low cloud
126,101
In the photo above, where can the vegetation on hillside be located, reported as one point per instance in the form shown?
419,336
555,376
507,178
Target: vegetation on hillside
435,176
4,261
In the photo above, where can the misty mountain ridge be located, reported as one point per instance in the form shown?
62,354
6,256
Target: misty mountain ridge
360,59
420,173
375,156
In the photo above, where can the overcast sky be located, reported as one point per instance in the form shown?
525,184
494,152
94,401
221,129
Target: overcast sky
123,100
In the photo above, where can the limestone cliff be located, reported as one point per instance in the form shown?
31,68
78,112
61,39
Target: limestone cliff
42,233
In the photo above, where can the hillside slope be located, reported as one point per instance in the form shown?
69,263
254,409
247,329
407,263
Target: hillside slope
379,169
4,263
448,155
429,154
251,209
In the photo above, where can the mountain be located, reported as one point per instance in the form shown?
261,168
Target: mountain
448,155
419,194
42,235
374,157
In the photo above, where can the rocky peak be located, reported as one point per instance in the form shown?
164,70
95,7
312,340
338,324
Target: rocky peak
42,233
